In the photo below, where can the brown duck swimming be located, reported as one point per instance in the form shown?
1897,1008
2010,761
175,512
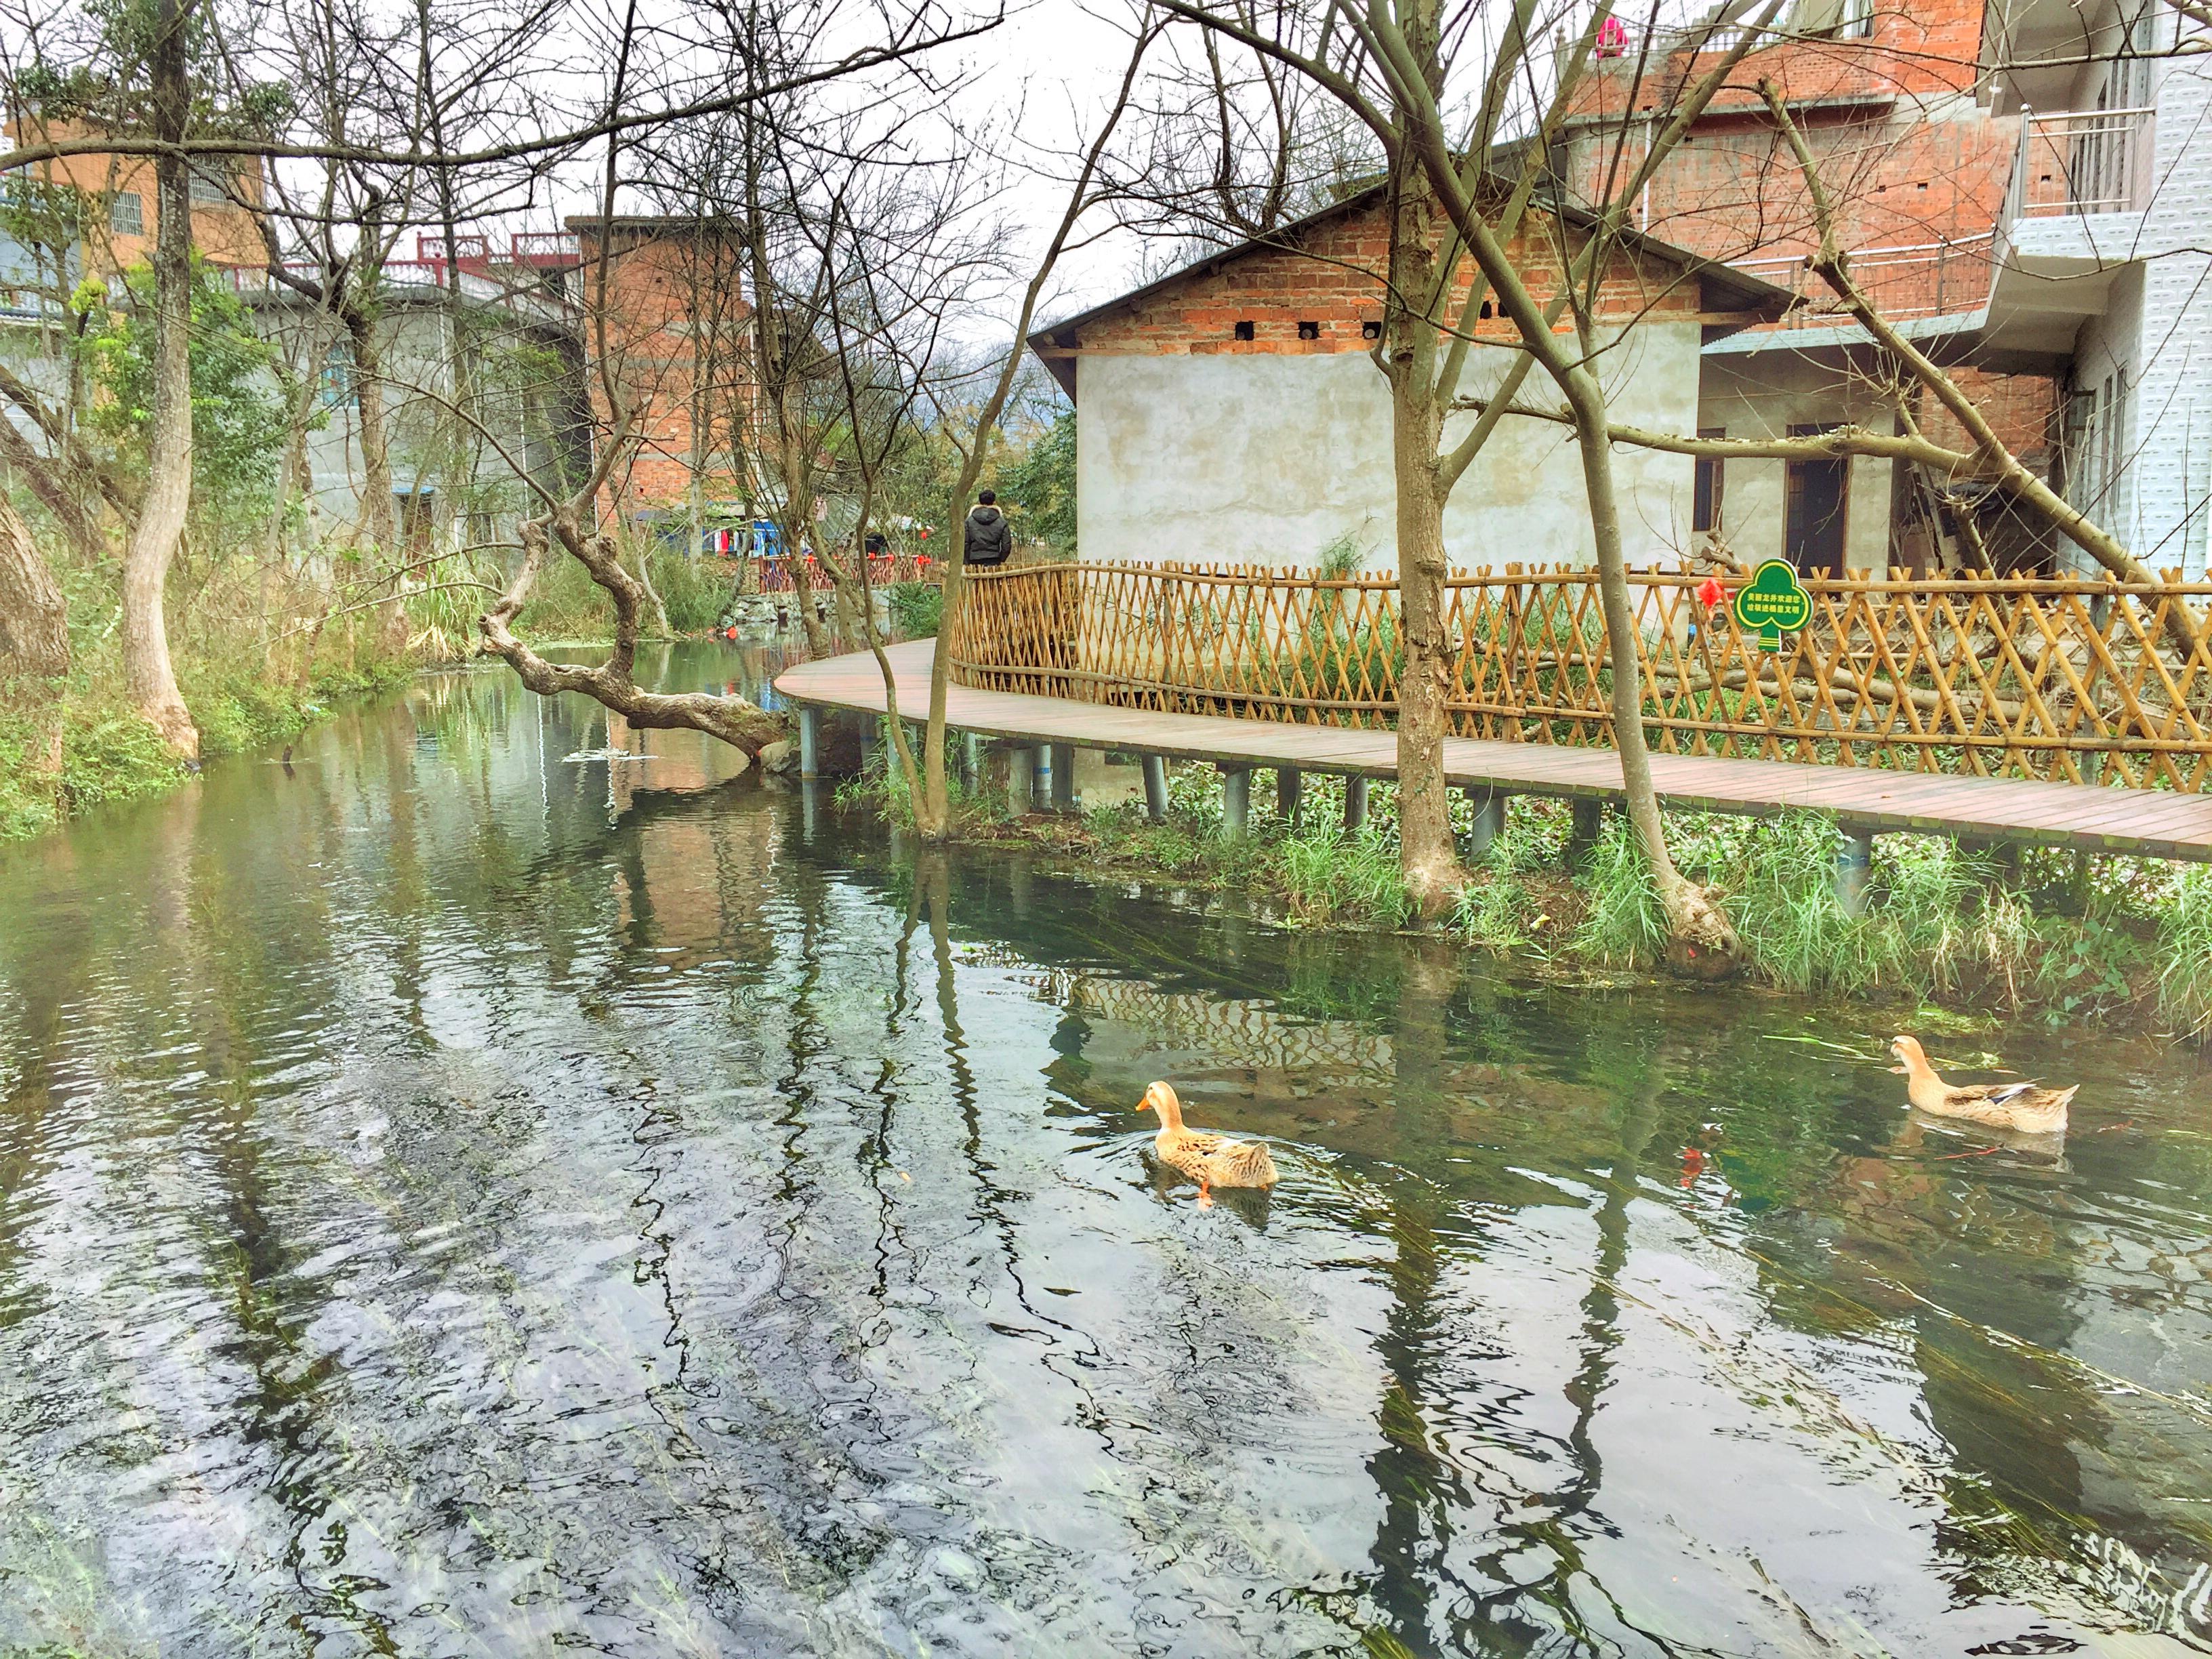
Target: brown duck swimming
1210,1160
2026,1108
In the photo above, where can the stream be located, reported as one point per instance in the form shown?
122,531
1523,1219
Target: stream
493,1185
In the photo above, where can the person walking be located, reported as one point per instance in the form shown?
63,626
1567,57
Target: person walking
986,536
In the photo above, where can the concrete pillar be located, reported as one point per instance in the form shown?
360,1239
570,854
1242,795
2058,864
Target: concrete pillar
973,742
1156,788
1021,779
1063,777
1290,793
1853,857
1355,804
810,743
1589,817
1489,819
1040,778
1236,801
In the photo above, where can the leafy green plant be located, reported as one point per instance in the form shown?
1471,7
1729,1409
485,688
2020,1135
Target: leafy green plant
917,609
238,418
2184,935
1624,924
1327,875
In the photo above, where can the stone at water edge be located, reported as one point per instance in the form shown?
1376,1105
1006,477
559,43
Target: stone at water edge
780,757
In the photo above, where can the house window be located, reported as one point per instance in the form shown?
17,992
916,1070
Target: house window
1705,496
1243,331
209,184
1308,330
126,213
335,384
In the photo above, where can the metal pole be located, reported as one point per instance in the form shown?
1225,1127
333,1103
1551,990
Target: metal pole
1489,819
1355,804
1063,777
1156,788
1853,857
810,743
1236,801
1589,814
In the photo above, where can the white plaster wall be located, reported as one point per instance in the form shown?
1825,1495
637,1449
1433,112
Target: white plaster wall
1265,459
2169,440
1762,395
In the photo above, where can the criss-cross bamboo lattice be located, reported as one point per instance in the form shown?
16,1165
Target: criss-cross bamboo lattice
2070,680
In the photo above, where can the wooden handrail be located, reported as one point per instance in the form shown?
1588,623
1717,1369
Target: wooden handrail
2067,679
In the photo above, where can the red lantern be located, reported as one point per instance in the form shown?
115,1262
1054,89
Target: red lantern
1711,593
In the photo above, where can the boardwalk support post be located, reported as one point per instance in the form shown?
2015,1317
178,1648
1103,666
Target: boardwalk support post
1589,817
1854,857
1063,777
1021,779
1489,819
1156,789
1040,771
1290,794
1235,800
974,745
810,743
1355,805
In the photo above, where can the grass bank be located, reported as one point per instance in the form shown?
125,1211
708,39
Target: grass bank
2038,934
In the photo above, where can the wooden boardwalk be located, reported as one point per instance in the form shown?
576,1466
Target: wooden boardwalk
2158,823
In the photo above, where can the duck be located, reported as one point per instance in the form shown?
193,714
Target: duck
2023,1108
1210,1160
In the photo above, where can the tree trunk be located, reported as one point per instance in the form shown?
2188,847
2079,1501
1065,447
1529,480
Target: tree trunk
1700,941
378,522
22,460
34,640
652,593
148,673
1427,856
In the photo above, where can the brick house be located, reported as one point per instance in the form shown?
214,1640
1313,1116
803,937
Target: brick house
1233,410
2045,259
678,347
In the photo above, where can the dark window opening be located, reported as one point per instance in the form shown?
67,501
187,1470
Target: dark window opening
1813,496
1485,311
1706,496
1308,330
1244,330
1370,330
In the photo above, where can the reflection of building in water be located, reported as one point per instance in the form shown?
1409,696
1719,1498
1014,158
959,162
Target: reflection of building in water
1288,1050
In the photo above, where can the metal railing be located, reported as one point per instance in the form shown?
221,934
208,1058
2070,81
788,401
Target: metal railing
2080,162
1917,279
2065,679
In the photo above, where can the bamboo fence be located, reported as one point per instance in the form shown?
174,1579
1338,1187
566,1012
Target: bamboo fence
2065,679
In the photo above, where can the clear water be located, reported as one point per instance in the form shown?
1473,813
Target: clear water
459,1198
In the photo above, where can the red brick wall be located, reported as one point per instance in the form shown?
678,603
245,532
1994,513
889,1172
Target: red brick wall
658,287
1334,278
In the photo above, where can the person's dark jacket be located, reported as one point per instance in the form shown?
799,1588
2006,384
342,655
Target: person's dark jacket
986,538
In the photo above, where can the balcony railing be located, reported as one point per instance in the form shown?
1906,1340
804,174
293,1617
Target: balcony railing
1917,279
2081,162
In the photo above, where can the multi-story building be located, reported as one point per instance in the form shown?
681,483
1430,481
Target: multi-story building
669,332
2016,183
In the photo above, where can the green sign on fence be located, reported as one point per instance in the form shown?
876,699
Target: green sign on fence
1773,603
